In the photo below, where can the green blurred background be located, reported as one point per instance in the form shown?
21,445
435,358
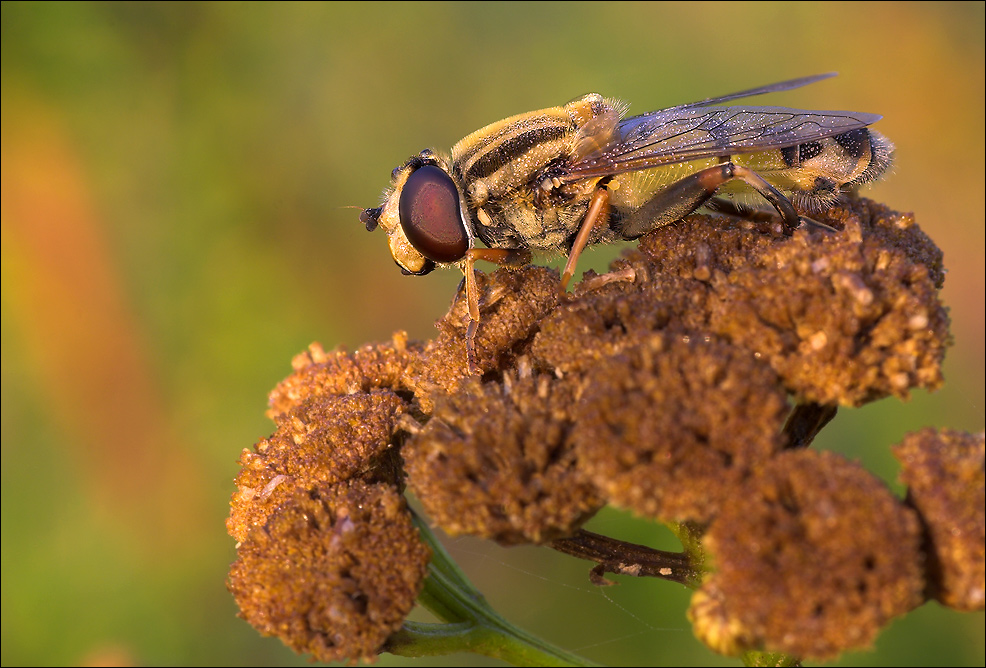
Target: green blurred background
177,214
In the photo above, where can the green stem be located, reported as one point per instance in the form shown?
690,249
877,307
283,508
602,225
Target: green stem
471,625
770,659
690,535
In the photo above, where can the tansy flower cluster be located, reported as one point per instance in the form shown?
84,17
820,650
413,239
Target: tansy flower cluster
686,386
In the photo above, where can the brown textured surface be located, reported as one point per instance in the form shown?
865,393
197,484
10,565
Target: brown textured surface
814,557
333,573
497,462
662,388
944,474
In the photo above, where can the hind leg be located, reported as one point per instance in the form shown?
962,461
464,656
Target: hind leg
683,197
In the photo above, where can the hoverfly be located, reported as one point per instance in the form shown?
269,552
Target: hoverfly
560,178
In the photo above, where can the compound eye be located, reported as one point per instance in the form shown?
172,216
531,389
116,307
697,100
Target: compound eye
429,211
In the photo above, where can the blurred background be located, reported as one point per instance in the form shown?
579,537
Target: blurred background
180,194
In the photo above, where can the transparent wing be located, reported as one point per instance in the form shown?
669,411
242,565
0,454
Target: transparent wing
703,130
759,90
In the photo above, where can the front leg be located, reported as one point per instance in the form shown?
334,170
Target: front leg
514,257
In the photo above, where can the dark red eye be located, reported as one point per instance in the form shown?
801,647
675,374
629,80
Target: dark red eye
430,215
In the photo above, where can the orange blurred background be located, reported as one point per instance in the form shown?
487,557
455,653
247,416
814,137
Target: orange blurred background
178,184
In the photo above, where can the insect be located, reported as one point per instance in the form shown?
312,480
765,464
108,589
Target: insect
558,179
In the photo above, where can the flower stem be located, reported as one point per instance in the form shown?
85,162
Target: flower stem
769,659
471,625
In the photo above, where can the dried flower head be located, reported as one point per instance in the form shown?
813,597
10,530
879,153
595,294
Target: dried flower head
813,557
843,318
661,387
325,438
668,427
618,316
334,571
513,303
318,373
944,474
496,461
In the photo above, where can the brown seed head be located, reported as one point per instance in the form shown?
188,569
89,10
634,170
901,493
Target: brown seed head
812,558
671,425
944,474
325,438
334,571
318,373
843,318
495,460
513,302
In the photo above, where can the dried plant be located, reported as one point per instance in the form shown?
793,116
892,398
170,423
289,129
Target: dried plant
687,386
